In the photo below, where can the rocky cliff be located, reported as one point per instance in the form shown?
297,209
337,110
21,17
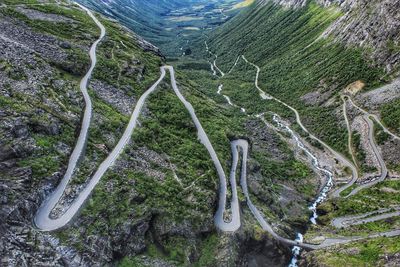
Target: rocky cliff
302,3
373,25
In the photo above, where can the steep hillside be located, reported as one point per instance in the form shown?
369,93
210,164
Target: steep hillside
328,60
298,63
162,189
273,139
372,25
44,53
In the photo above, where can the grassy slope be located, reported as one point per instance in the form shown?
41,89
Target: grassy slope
363,254
283,42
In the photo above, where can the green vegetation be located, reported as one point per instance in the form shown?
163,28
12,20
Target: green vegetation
359,153
283,42
76,30
368,253
208,251
346,192
380,135
180,141
123,63
391,115
382,195
175,249
131,262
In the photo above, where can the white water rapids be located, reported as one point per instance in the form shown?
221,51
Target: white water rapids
316,164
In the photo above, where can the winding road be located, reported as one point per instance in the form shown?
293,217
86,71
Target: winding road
385,129
336,154
359,219
42,219
384,170
347,221
371,138
44,222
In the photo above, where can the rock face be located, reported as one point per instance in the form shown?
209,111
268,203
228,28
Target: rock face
373,25
302,3
117,98
375,98
37,15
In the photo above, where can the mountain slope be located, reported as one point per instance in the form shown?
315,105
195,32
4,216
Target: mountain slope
311,54
162,190
157,201
44,55
297,63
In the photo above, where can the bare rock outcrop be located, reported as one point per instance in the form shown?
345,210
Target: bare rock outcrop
373,25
